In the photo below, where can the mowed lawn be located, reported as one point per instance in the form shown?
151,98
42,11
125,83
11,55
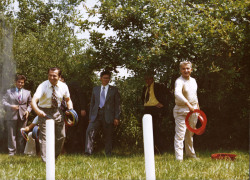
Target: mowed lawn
127,166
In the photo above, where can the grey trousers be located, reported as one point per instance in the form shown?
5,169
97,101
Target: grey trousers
57,115
16,142
93,128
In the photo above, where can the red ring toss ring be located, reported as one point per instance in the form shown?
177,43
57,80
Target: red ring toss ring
226,156
203,119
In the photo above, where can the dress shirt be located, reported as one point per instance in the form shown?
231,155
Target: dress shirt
44,93
152,99
106,90
21,91
185,91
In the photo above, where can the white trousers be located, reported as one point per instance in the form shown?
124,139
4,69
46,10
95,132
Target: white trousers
182,133
30,148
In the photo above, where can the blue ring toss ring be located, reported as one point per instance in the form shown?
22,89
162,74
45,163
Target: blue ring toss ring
35,133
72,118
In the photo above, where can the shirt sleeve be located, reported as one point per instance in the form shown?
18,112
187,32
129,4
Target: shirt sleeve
178,91
66,92
39,91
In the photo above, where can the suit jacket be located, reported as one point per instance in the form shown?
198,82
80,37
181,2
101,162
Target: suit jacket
11,98
77,97
160,93
112,107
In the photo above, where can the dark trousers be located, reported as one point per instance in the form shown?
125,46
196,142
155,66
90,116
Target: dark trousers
75,136
16,142
157,116
94,127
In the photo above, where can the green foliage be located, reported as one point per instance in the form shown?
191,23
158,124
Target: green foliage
148,35
157,35
129,133
44,37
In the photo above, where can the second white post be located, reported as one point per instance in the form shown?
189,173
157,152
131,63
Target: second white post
148,147
50,149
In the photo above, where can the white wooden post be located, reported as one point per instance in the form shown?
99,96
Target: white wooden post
148,147
50,149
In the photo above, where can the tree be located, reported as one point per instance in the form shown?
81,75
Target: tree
157,35
42,36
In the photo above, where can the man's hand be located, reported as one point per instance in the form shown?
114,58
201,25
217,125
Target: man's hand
26,114
159,105
26,129
15,107
116,122
67,112
191,108
40,113
83,113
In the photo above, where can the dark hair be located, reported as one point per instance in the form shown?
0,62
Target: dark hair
62,77
149,74
54,69
105,73
20,77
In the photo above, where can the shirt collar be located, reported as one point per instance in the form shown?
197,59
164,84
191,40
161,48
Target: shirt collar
151,85
50,85
18,89
106,87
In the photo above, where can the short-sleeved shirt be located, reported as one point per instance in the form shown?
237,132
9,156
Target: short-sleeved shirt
44,93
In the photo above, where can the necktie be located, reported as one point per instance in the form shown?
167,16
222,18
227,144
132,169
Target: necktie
19,95
102,98
147,95
54,98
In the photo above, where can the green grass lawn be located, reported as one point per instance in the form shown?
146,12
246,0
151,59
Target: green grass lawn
126,167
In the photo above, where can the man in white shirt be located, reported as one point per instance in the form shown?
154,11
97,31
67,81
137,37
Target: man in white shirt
50,94
186,100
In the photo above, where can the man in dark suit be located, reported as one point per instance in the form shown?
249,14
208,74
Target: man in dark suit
155,103
17,105
76,135
104,112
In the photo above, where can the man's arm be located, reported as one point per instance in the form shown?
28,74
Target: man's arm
29,108
69,103
6,102
29,102
179,95
117,107
35,107
92,103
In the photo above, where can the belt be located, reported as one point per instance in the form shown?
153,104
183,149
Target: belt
48,107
